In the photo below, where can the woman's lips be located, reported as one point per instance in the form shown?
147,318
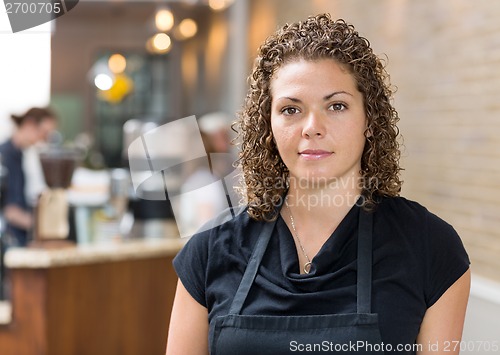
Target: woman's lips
314,154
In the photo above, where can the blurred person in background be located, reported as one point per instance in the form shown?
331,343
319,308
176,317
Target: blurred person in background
33,127
200,200
214,129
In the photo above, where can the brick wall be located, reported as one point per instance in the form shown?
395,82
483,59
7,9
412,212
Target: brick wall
444,57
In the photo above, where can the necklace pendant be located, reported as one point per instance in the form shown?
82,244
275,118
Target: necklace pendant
307,267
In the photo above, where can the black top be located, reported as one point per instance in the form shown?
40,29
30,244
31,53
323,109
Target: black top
416,258
12,159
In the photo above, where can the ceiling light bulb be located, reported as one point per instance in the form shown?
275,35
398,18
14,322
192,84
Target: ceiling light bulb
218,5
188,28
164,20
117,63
161,42
103,82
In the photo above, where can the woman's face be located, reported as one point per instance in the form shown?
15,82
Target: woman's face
47,127
318,121
39,132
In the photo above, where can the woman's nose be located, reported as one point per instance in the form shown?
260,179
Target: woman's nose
313,126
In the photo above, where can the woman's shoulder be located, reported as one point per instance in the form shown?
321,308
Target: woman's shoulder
408,211
429,240
7,147
414,221
401,205
231,225
207,249
226,239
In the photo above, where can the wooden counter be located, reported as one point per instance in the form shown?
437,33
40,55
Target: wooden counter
102,299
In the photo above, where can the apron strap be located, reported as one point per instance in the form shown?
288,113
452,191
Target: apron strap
364,283
252,267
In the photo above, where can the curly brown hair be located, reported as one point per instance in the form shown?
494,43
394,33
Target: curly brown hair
265,176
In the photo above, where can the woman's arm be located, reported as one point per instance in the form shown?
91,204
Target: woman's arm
18,217
188,330
444,321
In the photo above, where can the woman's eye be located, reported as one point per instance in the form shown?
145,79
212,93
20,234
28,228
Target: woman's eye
338,107
289,111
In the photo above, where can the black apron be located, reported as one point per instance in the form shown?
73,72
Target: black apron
354,333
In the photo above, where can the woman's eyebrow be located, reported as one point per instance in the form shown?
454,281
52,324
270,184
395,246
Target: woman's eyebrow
293,99
328,97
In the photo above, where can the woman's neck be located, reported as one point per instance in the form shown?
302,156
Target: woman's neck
331,199
316,211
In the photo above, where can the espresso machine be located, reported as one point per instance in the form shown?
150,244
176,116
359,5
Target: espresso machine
52,209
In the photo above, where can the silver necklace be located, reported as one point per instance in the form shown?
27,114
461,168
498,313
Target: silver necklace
307,265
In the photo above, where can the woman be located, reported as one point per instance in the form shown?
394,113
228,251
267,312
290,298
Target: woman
326,256
31,128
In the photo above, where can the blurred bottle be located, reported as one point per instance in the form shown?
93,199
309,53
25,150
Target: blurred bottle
119,189
112,221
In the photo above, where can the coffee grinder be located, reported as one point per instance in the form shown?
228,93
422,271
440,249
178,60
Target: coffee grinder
52,210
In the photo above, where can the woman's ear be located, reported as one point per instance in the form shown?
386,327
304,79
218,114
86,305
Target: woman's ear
368,131
368,128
